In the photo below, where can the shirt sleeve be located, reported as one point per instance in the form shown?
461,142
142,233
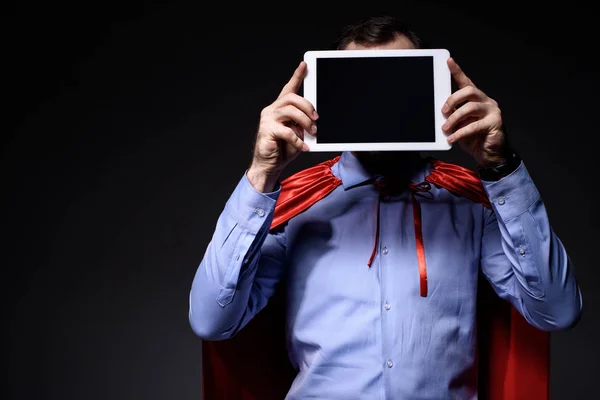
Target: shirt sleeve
241,266
523,258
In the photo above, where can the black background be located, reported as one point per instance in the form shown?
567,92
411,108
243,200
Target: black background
128,125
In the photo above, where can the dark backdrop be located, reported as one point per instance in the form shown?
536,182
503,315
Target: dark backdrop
127,127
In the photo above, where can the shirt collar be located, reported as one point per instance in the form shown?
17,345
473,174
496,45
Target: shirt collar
352,173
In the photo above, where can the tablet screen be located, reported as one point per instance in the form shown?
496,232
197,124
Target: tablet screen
379,99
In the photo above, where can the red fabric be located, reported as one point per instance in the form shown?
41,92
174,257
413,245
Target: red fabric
513,356
415,188
374,252
303,189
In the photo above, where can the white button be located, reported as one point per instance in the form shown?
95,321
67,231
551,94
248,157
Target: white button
389,363
521,250
385,250
501,200
387,305
259,211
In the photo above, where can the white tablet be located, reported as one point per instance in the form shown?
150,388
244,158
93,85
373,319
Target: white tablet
378,100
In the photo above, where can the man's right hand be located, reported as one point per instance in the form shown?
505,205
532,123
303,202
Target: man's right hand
280,135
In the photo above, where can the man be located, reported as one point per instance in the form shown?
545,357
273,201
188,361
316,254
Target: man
381,279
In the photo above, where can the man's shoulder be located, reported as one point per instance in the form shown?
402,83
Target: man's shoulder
458,180
451,167
304,188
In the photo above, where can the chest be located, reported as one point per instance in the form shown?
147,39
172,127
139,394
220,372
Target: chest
330,244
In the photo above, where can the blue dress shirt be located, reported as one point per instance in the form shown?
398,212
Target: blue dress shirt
359,332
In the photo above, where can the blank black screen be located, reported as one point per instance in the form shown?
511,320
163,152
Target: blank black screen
381,99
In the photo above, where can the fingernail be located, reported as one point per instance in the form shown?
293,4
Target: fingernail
450,139
445,107
445,126
304,147
315,115
313,129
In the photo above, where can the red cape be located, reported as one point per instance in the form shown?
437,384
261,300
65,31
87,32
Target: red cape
513,355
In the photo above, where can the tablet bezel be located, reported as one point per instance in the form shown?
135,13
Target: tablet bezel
441,85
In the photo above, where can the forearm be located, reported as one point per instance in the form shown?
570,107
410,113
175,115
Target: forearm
218,307
227,290
540,281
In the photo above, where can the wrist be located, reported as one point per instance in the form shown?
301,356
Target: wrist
262,179
495,158
496,168
493,161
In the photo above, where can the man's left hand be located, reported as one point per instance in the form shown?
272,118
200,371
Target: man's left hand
474,121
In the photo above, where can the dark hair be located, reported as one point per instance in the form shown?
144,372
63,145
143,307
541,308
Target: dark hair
375,30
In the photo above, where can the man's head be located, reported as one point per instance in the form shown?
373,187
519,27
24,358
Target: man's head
380,32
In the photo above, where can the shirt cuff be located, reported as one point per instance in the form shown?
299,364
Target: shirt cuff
512,195
251,208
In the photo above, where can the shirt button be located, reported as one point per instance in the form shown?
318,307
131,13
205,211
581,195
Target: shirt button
385,250
259,211
389,363
387,305
501,200
521,250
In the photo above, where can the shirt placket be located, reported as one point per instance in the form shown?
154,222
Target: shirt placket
385,255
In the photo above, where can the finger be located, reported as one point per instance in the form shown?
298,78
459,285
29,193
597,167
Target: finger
298,130
295,81
471,109
290,137
459,76
292,114
299,102
468,93
474,128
